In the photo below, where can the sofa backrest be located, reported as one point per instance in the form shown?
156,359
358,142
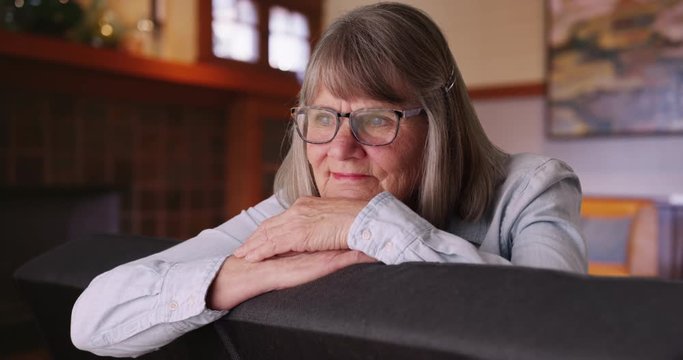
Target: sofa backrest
408,311
51,283
426,310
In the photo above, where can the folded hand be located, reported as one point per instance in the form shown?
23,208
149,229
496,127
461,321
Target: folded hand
239,280
310,224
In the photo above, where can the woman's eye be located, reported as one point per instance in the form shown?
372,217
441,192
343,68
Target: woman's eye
377,121
324,120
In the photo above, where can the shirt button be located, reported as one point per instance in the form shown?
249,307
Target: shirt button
388,246
173,305
366,234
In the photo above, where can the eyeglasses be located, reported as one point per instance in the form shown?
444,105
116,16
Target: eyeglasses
373,127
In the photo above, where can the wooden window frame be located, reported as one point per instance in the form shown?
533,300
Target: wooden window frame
312,9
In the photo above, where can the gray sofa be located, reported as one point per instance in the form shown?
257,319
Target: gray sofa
374,311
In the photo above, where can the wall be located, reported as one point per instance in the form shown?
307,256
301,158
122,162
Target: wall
632,166
178,32
501,41
473,29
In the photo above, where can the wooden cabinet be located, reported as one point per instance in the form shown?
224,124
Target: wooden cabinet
256,147
190,145
276,143
187,146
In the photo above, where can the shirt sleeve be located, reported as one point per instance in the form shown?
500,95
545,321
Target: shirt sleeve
391,232
543,220
536,226
140,306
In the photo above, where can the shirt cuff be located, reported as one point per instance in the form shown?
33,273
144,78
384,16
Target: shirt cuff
385,228
183,294
181,303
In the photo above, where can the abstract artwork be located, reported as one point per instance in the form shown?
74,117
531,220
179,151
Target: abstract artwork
615,67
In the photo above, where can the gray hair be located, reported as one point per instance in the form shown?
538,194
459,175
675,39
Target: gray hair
395,53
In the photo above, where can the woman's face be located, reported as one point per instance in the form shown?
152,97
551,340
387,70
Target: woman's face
348,169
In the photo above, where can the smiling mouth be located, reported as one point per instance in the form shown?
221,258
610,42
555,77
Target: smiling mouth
349,176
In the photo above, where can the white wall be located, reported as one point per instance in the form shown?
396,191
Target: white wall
633,166
501,41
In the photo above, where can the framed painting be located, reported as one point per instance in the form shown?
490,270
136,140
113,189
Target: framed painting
615,67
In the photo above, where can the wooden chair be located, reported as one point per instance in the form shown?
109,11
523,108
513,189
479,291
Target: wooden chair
642,243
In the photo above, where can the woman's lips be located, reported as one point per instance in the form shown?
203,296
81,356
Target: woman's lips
349,176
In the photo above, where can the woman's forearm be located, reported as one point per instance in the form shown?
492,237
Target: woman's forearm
236,282
141,306
393,233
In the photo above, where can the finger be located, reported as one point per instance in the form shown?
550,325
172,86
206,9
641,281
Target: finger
254,241
352,257
287,254
275,239
240,251
261,234
265,250
299,268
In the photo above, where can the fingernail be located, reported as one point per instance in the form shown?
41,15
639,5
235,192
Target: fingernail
251,258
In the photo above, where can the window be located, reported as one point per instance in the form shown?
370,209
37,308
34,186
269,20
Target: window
259,35
288,40
235,30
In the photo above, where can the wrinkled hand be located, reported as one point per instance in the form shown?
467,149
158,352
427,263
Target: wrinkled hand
239,280
310,224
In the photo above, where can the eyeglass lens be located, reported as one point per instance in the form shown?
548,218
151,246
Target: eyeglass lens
371,127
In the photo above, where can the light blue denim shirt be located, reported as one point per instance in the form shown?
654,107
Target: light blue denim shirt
145,304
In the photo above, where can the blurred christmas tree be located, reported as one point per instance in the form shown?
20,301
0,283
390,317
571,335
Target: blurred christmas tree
46,17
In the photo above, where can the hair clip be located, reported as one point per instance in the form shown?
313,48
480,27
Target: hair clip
451,82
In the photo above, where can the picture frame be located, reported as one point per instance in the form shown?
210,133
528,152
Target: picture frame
614,68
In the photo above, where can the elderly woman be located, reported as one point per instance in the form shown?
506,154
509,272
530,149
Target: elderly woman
388,162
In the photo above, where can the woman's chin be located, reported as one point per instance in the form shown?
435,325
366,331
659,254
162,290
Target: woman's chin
351,193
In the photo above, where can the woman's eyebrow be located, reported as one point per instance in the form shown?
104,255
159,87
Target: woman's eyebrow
379,105
325,106
376,104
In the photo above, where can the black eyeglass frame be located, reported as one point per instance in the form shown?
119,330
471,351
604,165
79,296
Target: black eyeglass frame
401,114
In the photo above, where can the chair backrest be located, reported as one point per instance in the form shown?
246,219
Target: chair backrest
627,225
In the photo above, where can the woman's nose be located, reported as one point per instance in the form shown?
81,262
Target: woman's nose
344,145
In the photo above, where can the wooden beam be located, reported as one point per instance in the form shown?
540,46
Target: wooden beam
211,76
217,76
507,91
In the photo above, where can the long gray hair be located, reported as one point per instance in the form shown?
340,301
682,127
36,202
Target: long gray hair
395,53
